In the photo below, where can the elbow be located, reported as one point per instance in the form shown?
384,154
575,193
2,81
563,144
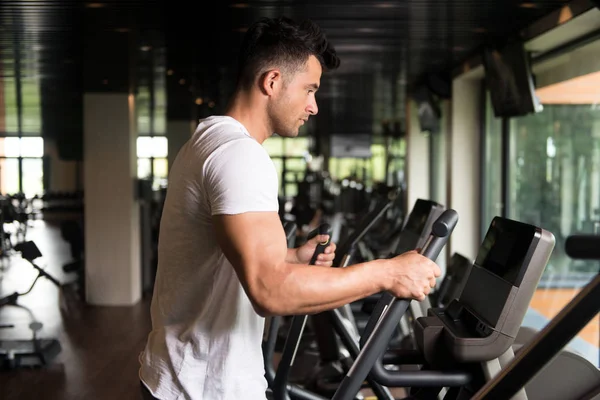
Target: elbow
267,303
266,306
262,310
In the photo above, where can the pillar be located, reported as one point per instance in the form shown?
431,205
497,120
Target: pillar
417,159
112,222
464,164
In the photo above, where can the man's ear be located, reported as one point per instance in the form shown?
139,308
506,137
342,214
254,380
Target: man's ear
271,81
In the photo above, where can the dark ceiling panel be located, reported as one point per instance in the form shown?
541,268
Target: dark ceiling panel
396,40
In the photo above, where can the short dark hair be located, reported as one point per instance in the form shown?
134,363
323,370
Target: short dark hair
283,43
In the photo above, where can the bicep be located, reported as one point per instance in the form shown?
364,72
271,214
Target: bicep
254,243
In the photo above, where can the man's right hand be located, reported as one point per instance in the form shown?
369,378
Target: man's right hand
411,275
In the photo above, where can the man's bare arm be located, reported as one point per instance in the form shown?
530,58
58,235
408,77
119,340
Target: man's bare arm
255,245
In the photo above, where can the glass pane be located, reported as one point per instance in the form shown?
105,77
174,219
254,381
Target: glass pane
341,168
492,190
297,146
8,115
295,164
160,146
160,173
144,146
32,147
142,107
144,170
438,151
160,167
274,146
9,175
555,184
291,190
377,163
33,176
160,93
294,176
32,114
279,167
10,147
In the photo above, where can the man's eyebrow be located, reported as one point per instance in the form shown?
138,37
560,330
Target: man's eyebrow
313,86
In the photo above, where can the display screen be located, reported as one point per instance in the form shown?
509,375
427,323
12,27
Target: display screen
509,81
504,249
418,217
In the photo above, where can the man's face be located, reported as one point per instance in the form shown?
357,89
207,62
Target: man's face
296,101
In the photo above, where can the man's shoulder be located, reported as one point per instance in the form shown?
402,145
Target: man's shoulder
220,127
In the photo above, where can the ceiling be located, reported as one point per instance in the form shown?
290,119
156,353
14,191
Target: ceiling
383,45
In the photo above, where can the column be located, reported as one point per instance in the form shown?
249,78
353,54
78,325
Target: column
417,159
112,223
464,165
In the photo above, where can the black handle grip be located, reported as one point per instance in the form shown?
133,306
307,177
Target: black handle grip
583,247
440,232
323,229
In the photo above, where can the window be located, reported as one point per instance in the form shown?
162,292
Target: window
555,184
491,166
289,156
152,159
552,175
21,144
152,142
21,166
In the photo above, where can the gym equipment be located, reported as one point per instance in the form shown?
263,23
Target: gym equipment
461,347
452,285
280,386
336,355
544,353
334,360
29,251
386,316
35,352
272,324
432,248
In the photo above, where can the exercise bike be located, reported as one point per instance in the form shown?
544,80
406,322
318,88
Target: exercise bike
35,352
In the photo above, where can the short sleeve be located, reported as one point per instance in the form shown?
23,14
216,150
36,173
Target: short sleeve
240,177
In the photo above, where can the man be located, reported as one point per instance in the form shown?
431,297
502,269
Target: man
223,260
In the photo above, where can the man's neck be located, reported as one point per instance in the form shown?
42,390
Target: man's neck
250,112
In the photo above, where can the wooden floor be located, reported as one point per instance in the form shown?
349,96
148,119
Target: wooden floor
550,302
100,345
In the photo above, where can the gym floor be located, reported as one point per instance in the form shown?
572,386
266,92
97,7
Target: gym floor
100,345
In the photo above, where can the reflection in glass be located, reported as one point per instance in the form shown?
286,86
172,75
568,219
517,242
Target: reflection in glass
492,164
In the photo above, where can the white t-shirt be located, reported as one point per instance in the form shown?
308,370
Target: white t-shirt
205,342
